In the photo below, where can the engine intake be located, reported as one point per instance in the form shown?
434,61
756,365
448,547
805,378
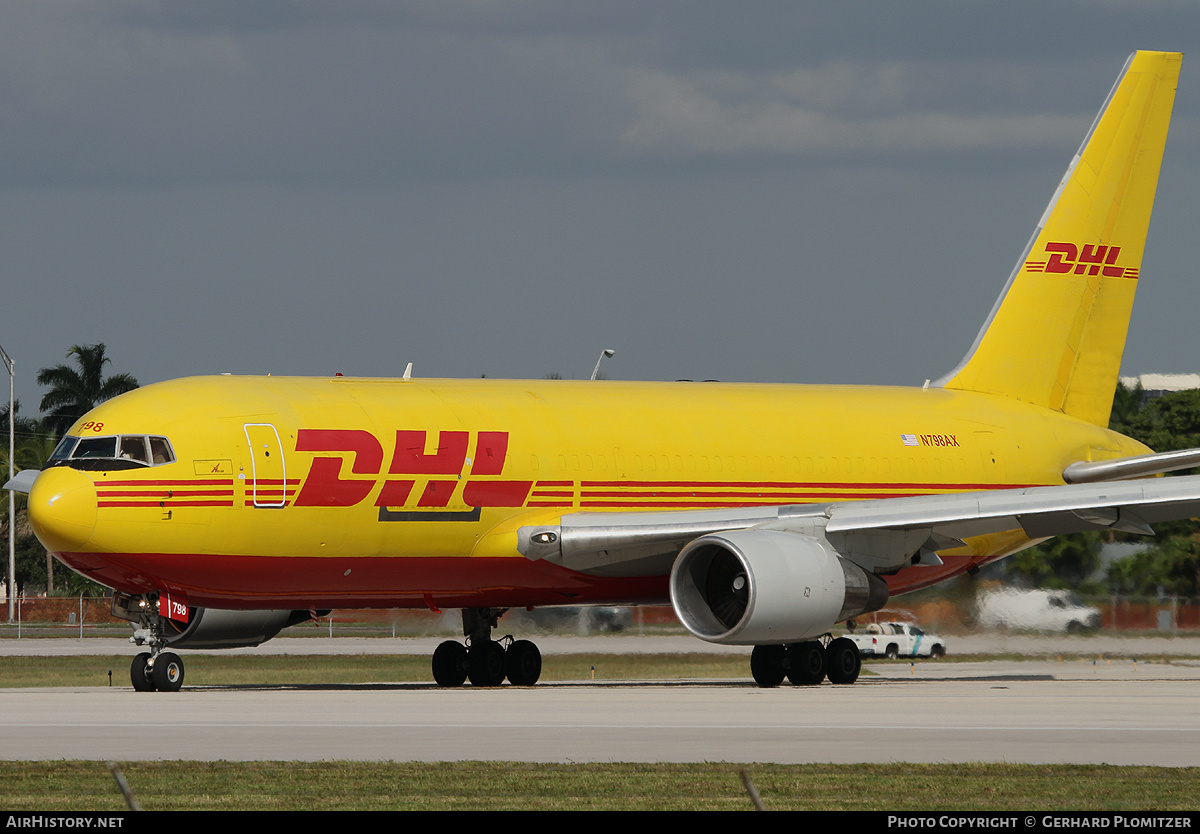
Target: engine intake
749,587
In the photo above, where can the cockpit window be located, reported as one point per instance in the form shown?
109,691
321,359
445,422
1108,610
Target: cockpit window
134,448
63,450
160,451
126,451
96,447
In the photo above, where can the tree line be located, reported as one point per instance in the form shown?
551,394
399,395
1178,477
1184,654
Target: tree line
1169,563
74,389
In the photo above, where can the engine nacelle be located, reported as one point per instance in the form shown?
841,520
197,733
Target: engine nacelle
750,587
208,628
218,628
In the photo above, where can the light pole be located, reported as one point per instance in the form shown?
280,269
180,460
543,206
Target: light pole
606,352
12,495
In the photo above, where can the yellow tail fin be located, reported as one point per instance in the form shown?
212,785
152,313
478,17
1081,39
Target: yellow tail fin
1057,332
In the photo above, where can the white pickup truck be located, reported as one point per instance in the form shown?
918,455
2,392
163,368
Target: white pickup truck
897,640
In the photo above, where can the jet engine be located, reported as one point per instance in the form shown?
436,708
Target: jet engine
210,628
749,587
218,628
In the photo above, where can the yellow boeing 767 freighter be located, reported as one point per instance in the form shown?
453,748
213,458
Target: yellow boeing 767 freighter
223,508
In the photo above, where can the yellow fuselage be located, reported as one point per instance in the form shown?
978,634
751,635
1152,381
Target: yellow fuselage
306,492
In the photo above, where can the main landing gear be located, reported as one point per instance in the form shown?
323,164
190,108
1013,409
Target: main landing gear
486,662
806,664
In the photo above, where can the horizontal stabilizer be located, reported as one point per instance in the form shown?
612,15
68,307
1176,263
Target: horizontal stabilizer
1087,472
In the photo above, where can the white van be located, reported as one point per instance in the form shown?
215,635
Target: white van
1036,611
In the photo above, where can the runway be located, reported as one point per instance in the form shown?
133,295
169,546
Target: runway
1037,712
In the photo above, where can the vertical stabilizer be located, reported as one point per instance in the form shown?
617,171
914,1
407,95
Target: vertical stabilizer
1057,332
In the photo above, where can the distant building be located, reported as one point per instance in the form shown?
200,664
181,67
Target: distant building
1155,385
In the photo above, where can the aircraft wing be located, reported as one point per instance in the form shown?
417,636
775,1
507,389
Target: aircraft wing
880,535
22,481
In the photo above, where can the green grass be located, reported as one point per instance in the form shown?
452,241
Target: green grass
306,670
312,670
330,786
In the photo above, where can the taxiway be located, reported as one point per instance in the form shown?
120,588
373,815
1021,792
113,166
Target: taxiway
1036,711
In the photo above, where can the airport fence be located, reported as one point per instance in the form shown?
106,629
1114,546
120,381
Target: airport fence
42,616
1118,613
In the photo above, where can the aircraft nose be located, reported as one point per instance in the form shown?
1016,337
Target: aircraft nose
62,508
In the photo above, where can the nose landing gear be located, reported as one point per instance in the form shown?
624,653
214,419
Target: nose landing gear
157,669
162,671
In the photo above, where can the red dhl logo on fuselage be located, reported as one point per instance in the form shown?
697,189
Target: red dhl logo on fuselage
1095,259
325,486
347,469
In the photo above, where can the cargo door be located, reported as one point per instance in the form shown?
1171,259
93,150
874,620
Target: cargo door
268,470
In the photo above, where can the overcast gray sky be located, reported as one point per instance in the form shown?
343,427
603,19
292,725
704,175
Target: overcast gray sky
761,191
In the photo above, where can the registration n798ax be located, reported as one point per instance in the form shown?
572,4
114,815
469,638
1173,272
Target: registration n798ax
223,508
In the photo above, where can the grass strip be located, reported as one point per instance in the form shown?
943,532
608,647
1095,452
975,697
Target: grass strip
310,670
282,670
479,786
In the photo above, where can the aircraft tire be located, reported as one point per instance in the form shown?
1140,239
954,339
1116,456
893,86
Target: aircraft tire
767,665
139,673
485,664
523,663
167,672
450,664
806,663
844,661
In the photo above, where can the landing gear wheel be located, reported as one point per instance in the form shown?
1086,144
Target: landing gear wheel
167,672
523,663
767,665
844,661
450,664
806,663
139,673
485,664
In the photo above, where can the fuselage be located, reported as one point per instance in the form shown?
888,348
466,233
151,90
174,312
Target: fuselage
344,492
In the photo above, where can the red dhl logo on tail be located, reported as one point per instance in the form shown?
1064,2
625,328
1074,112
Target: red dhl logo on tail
325,486
1093,260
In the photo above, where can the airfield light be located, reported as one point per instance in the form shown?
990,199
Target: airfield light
11,588
606,352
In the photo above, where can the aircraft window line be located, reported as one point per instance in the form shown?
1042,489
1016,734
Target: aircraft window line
124,451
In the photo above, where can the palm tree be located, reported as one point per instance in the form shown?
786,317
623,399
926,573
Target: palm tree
74,392
34,443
